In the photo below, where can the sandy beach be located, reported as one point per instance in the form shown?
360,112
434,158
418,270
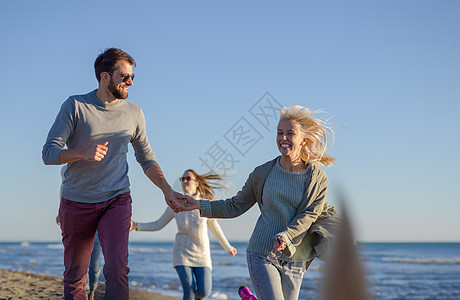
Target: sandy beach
19,285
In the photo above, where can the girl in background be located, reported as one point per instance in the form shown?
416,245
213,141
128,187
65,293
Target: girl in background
191,252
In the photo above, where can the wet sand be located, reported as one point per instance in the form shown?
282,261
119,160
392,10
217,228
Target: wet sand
20,285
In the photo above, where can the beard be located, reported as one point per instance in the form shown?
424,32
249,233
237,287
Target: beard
117,91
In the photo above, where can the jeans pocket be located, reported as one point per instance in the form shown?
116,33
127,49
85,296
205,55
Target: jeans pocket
297,269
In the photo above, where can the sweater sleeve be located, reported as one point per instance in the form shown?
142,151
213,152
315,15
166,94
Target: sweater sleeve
167,216
142,149
219,234
231,207
59,133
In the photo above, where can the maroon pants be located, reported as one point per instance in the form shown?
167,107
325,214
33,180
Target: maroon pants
79,222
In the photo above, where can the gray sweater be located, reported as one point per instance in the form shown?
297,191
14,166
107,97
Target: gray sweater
83,121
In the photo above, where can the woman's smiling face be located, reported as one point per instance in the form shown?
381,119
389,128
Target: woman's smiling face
289,138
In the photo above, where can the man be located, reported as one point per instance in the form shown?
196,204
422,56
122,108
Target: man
97,127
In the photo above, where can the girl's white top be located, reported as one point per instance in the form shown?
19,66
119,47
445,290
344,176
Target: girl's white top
191,246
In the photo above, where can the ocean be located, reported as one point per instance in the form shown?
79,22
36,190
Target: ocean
393,270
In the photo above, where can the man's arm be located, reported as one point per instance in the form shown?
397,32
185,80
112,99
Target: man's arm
54,151
172,198
93,153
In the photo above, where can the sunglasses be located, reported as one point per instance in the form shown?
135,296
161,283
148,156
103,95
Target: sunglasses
187,178
125,77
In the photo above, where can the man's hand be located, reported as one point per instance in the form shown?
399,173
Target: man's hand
175,200
92,153
96,152
172,198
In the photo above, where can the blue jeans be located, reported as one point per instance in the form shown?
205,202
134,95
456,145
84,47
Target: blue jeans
196,281
281,280
94,270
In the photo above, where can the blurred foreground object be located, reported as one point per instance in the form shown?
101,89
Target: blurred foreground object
344,277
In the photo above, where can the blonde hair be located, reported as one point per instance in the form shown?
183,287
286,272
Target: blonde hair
314,130
209,182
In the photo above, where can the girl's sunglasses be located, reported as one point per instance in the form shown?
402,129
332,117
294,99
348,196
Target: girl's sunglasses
187,178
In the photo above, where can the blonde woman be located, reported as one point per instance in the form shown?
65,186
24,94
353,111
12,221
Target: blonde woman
191,253
296,223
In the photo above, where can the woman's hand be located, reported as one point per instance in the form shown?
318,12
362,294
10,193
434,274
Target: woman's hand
280,243
190,204
233,252
133,226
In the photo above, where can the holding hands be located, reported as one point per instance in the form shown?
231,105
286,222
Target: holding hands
174,200
188,203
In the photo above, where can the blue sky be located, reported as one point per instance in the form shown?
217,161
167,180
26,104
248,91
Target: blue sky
386,72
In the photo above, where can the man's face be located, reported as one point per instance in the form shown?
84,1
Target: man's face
117,86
